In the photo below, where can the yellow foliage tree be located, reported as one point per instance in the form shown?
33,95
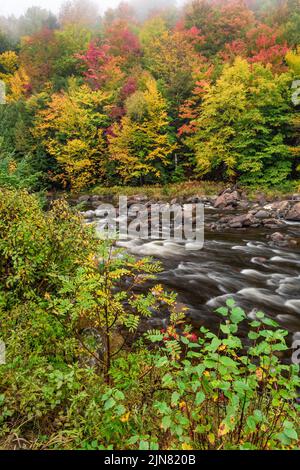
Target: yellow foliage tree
8,65
71,130
293,60
19,84
142,143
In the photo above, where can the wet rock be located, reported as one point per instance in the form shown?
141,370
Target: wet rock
136,199
227,198
280,207
282,239
273,222
85,198
244,204
294,212
88,214
198,200
276,237
262,214
244,220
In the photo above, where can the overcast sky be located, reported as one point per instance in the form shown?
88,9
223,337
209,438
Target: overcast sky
17,7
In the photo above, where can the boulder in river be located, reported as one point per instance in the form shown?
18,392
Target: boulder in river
282,239
227,198
294,212
262,214
85,198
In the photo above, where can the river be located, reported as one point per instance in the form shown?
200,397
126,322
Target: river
239,264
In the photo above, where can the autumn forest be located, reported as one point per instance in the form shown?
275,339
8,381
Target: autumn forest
135,97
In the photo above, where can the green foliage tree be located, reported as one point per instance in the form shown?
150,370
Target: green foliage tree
244,124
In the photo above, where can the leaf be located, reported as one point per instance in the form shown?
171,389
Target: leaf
223,429
200,397
291,433
223,311
144,445
125,417
109,403
166,422
259,315
227,361
230,303
175,398
186,446
237,315
251,423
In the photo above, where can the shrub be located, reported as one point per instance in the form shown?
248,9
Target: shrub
77,374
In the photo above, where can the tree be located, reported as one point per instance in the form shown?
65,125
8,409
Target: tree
37,56
141,144
102,69
79,12
8,65
6,42
243,125
35,19
261,44
71,130
144,8
171,59
293,60
122,41
220,21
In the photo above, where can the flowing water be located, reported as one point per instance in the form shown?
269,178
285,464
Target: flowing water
237,264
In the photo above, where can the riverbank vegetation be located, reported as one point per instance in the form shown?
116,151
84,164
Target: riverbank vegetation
139,97
83,370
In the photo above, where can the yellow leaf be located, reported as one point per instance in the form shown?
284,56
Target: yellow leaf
186,446
223,429
125,417
259,374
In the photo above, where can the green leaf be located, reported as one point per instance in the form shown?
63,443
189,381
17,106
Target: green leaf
175,398
227,361
253,335
200,397
291,433
166,422
230,303
237,315
223,311
259,315
251,423
109,403
270,322
144,445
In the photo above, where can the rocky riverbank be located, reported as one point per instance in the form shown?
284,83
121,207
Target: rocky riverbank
234,210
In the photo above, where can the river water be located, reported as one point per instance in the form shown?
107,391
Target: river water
237,264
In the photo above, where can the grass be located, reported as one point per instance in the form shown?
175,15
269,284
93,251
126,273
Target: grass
157,192
193,188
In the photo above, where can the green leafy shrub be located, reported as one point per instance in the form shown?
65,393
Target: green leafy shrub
61,290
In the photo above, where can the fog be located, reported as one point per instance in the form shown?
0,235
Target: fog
19,7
